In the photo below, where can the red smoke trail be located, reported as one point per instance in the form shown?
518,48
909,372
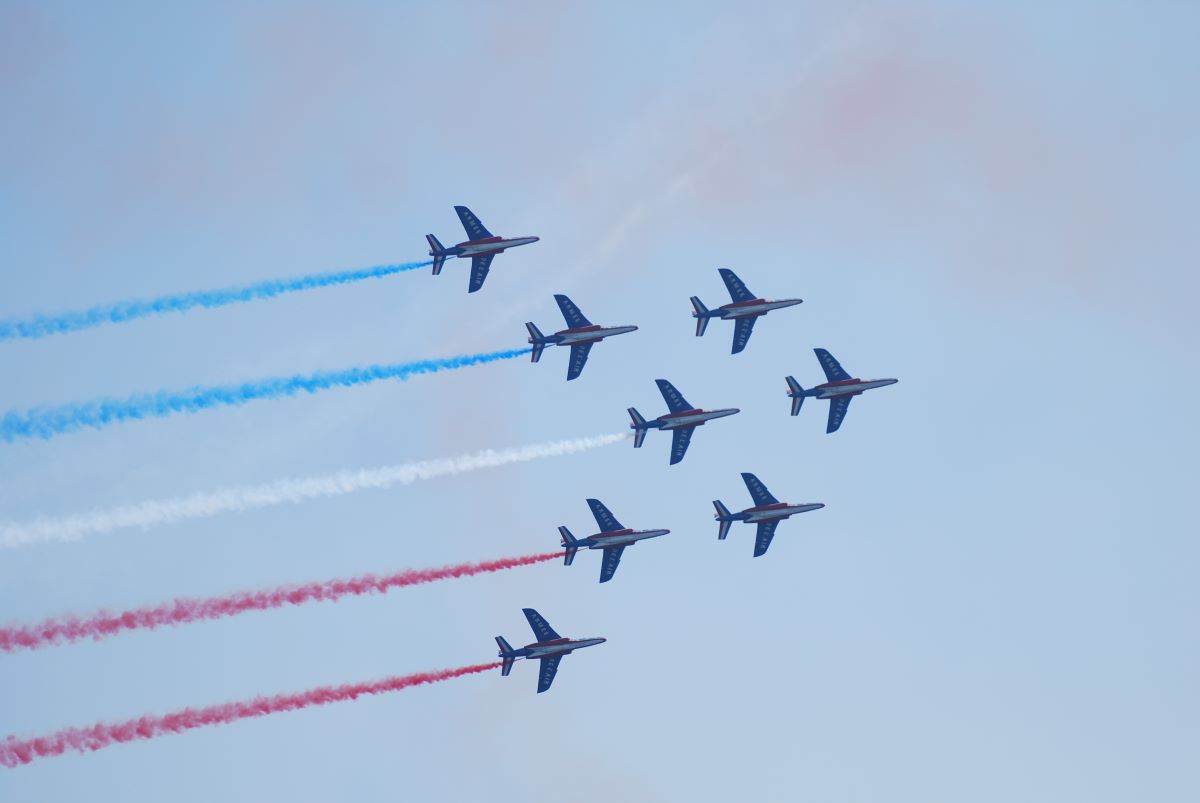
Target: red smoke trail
14,751
180,611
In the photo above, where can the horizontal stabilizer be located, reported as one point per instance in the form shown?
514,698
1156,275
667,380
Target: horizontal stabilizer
700,313
536,340
796,392
724,519
437,252
570,544
638,426
505,654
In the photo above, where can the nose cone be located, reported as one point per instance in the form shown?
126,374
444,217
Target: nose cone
887,382
534,239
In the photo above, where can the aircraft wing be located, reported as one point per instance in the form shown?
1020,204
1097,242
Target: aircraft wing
833,369
674,399
679,443
579,355
838,406
541,628
612,558
737,289
607,521
479,270
475,229
571,313
766,531
547,671
758,491
742,328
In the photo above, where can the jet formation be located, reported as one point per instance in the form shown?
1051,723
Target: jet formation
681,419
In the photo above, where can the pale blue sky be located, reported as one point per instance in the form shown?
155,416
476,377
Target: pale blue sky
996,206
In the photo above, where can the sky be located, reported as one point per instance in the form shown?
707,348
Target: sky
994,203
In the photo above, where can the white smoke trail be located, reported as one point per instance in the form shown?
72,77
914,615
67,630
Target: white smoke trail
228,500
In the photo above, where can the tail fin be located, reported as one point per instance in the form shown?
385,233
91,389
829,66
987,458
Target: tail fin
506,655
437,252
638,426
796,392
570,544
701,314
724,519
536,339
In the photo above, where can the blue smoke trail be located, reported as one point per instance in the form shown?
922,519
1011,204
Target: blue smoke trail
44,325
50,421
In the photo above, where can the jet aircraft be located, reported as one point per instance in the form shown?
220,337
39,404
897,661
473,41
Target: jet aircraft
481,246
840,389
766,513
549,649
682,419
744,310
580,336
612,538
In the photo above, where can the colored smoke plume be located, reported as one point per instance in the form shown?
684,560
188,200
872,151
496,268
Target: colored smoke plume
38,326
153,512
15,751
46,422
182,611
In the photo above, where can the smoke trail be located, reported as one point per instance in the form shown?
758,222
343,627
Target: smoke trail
183,611
14,751
47,422
43,325
165,511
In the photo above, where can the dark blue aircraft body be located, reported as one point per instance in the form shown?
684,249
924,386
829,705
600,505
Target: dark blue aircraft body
612,539
580,335
549,649
682,420
840,389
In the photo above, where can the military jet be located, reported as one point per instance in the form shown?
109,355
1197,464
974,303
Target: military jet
482,247
682,420
549,649
612,538
580,336
840,389
766,513
744,310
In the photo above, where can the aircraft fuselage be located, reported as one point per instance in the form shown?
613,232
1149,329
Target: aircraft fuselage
848,387
690,418
776,512
561,646
587,334
619,538
488,245
754,308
